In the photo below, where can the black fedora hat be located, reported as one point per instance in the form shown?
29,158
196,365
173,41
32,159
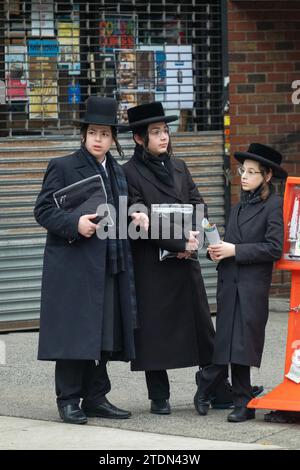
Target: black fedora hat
100,110
144,114
265,155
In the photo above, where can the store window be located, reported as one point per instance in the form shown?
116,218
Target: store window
56,53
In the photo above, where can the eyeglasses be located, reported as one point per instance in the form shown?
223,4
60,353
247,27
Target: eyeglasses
241,170
159,132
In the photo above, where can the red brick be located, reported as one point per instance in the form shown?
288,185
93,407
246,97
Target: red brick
265,98
256,36
233,108
294,55
249,130
241,67
286,128
238,78
264,87
284,66
265,108
245,46
293,117
265,129
238,119
291,76
276,77
258,119
277,118
231,26
239,139
264,67
237,15
236,36
265,46
276,56
275,35
246,26
234,98
256,57
292,35
246,109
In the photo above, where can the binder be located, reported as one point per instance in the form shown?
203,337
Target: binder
83,197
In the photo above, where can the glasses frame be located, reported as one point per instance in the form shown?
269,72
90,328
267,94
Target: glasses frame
158,132
241,170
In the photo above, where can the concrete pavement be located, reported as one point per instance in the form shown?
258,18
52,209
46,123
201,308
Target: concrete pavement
27,392
27,434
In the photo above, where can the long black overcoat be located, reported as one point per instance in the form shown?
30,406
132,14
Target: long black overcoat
175,323
74,275
244,281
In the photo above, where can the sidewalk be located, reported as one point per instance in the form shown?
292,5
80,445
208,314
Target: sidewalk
26,434
27,391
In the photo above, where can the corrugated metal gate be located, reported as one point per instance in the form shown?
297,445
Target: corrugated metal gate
54,55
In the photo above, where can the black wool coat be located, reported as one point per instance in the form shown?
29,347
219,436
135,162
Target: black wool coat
73,279
244,281
176,329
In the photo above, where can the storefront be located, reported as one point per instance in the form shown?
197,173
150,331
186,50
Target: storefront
53,55
56,53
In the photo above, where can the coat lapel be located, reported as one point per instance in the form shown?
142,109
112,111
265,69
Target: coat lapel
251,211
148,175
83,167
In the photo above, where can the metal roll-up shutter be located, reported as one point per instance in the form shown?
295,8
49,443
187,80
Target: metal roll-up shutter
56,53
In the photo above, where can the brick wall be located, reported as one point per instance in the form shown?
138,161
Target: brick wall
264,60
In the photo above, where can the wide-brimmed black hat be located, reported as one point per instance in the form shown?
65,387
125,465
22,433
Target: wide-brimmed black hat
100,110
265,155
144,114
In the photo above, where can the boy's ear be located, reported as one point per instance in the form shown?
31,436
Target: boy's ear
138,139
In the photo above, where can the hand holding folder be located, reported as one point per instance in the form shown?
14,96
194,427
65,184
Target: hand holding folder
83,197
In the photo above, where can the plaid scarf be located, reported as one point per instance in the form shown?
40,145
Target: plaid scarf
115,185
119,252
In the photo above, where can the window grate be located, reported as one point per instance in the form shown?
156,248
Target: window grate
54,54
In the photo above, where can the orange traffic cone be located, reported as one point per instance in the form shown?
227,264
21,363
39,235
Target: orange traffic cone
286,396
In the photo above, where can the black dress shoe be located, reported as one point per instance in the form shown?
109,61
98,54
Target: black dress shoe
160,407
105,410
72,414
240,414
202,404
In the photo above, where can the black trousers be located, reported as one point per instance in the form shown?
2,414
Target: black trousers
213,374
158,384
81,379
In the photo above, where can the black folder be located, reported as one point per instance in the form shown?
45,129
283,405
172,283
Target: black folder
83,197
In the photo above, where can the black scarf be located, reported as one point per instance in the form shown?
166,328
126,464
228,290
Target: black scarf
252,197
160,166
115,185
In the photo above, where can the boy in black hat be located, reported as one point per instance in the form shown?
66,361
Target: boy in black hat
88,300
175,324
253,241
